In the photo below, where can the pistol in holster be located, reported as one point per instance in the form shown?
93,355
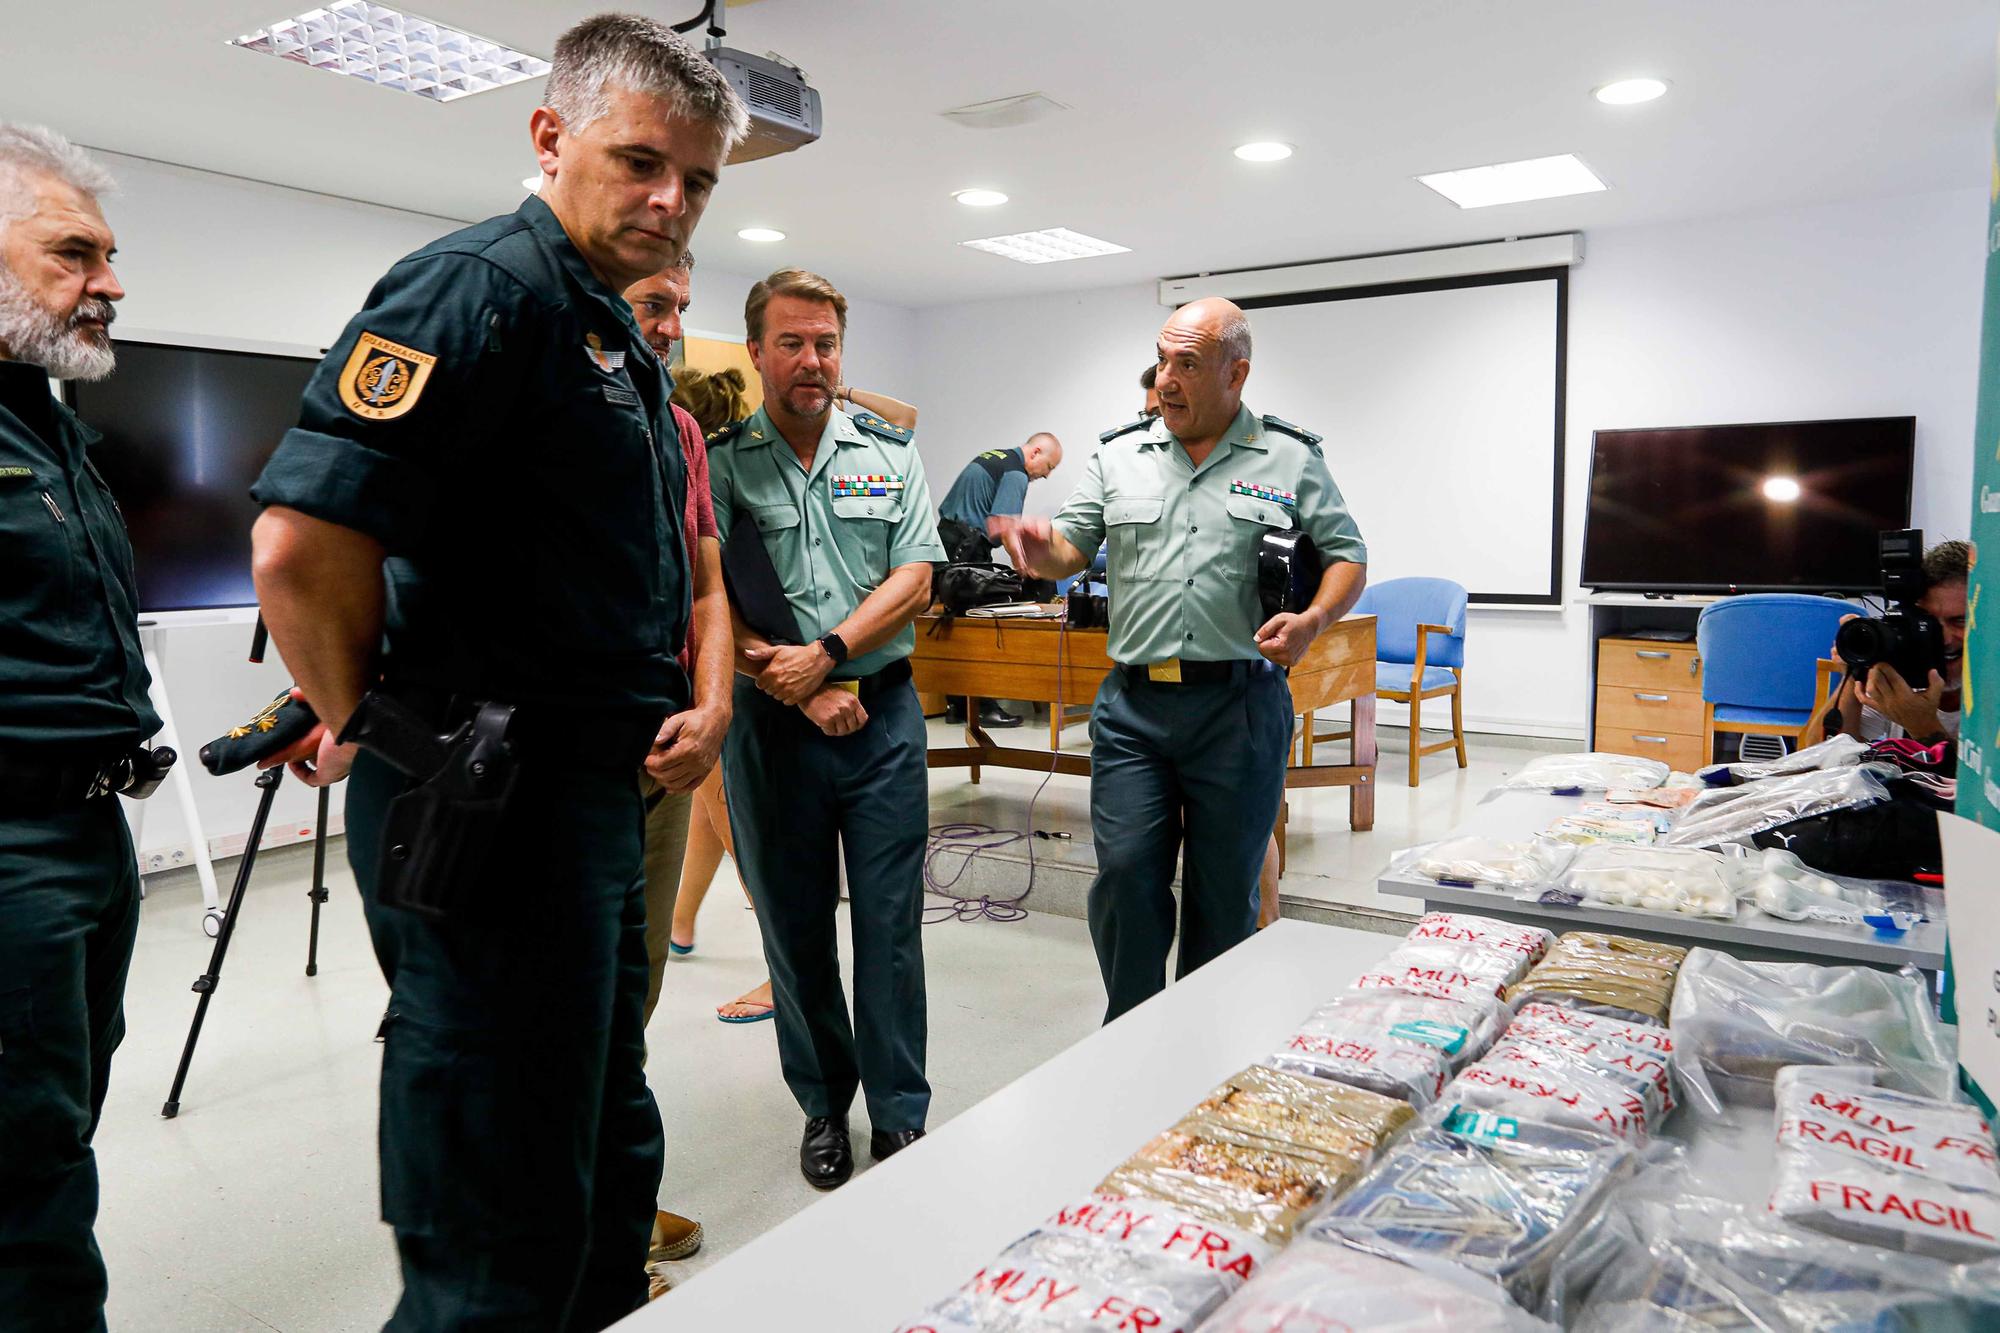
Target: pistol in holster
440,833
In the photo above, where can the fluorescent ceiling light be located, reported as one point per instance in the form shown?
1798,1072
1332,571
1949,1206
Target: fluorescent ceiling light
396,50
1782,489
1630,92
979,198
1515,182
1046,247
762,235
1263,152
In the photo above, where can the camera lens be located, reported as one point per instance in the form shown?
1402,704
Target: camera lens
1863,643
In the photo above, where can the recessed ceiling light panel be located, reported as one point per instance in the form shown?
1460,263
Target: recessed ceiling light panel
1515,182
979,198
1046,247
1264,151
1782,489
396,50
1630,92
762,235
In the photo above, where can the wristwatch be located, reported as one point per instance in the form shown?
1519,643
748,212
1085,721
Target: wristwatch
834,647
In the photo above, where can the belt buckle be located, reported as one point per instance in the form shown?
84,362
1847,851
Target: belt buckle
853,687
1168,671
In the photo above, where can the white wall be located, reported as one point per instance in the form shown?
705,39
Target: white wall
1858,309
213,256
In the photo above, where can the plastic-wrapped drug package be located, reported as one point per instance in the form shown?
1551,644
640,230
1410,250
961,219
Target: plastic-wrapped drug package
1503,1205
1151,1229
1233,1179
1391,1042
1739,1023
1292,1108
1595,771
1057,1282
1473,861
1316,1287
1638,1049
1685,880
1443,969
1531,942
1884,1168
1516,1083
1689,1264
1605,973
1552,1052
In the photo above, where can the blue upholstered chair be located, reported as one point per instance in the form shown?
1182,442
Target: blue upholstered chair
1760,664
1420,653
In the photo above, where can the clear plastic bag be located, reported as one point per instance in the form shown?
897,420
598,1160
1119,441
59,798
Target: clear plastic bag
1658,1262
1325,1286
1520,1084
1594,771
1238,1180
1621,1049
1154,1230
1391,1042
1682,880
1604,973
1836,751
1444,969
1531,942
1294,1109
1739,1023
1586,828
1056,1282
1493,862
1503,1205
1735,814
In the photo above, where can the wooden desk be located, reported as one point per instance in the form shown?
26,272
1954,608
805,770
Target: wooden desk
1037,661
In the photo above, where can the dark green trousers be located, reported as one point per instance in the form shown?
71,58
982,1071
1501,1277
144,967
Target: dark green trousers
1187,773
69,911
798,799
521,1149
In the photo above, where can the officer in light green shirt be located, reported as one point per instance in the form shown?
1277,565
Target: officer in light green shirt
826,756
1190,732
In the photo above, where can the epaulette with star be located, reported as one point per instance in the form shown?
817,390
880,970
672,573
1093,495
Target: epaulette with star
1299,433
1126,429
874,425
723,435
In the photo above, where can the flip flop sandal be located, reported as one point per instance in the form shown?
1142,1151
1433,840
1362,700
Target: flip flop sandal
679,950
770,1011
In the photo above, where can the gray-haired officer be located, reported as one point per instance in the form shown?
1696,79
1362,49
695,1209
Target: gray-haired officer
826,756
1191,729
487,475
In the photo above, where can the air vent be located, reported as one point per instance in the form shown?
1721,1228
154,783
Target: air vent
1005,113
779,96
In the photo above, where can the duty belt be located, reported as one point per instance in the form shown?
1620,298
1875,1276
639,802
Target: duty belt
1174,671
867,687
38,783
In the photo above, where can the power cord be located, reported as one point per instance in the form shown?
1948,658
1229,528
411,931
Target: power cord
968,840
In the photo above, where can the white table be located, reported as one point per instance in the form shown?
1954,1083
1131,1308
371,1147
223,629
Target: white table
1517,815
909,1231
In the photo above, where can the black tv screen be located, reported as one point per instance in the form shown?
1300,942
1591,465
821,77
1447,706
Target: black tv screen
186,430
1781,506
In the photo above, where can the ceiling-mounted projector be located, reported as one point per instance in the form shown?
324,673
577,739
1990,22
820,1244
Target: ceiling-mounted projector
784,108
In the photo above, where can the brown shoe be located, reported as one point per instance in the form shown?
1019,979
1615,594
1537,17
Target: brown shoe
658,1283
674,1237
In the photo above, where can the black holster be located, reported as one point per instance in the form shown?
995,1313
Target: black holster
440,834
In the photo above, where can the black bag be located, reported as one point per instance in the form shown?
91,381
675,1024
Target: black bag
968,584
1892,839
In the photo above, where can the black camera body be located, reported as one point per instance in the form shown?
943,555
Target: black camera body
1904,637
1084,609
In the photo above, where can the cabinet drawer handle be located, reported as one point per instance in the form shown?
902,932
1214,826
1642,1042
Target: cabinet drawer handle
1653,654
1649,740
1652,698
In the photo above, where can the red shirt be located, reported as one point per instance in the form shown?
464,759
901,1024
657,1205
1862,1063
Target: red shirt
700,517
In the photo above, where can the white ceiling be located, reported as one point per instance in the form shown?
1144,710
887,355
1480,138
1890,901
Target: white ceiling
1775,104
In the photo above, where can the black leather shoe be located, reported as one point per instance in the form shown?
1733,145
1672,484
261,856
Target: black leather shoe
954,712
826,1158
992,715
884,1144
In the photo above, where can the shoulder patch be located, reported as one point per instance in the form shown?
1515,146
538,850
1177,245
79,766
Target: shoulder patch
1126,429
874,425
382,380
724,435
1299,433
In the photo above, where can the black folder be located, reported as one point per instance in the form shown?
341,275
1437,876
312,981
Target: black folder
754,584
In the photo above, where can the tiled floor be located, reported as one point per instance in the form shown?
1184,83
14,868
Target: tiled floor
256,1208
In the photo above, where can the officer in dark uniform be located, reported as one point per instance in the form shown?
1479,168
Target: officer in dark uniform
826,755
1190,731
487,482
74,706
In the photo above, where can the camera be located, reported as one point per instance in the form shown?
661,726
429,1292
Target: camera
1904,637
1086,608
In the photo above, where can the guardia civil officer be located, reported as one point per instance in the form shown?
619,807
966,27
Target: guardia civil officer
1190,731
486,472
826,755
73,707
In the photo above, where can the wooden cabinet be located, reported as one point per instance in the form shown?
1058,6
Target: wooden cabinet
1649,701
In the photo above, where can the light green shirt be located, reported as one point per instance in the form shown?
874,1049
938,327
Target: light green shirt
835,532
1183,558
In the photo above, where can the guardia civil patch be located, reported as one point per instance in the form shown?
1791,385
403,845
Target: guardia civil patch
608,360
7,472
383,380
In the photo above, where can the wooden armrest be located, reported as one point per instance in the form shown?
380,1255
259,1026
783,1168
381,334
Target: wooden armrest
1445,630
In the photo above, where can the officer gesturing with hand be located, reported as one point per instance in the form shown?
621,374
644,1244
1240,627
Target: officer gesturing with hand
1191,729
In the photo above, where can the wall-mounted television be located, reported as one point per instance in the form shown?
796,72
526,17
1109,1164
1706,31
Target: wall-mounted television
186,430
1777,506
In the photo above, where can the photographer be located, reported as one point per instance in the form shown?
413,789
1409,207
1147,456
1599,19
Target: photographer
1884,704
